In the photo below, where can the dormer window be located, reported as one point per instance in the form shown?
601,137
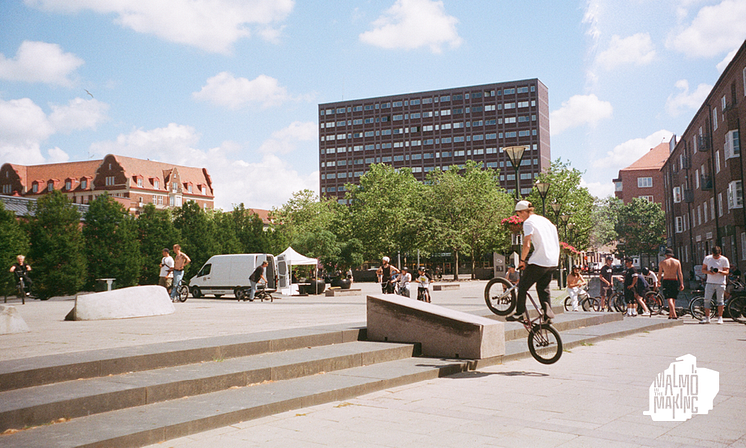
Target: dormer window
139,181
84,183
156,184
35,187
189,188
68,185
50,186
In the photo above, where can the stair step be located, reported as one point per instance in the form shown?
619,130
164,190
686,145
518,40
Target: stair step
35,371
153,423
38,405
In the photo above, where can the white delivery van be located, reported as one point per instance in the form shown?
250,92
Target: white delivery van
225,274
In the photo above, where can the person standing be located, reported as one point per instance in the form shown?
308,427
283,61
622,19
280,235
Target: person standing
21,269
385,273
542,234
716,266
180,261
166,277
404,279
256,277
671,280
630,288
607,282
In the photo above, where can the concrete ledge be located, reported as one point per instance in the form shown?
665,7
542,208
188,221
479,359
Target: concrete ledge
342,292
442,332
136,301
11,321
445,286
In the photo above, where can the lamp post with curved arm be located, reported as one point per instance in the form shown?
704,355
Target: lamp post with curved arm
515,155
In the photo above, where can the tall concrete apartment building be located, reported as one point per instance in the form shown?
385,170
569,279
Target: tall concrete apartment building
432,130
704,175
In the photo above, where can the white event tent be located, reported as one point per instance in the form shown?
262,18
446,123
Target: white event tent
285,262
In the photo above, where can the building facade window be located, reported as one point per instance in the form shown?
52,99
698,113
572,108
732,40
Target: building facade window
676,195
679,224
732,146
735,194
644,182
109,180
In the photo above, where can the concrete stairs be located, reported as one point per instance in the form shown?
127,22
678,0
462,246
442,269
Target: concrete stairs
136,396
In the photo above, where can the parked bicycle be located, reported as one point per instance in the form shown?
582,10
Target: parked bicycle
586,302
737,308
182,291
544,341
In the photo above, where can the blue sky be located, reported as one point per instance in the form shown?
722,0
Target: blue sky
234,85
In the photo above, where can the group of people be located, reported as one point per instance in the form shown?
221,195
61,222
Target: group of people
172,270
390,277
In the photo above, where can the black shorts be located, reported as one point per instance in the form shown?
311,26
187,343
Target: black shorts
629,296
670,288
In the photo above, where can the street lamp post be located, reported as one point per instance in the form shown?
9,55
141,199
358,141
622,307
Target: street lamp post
556,208
515,155
543,189
564,218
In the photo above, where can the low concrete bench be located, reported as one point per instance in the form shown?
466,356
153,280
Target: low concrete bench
342,292
442,332
445,286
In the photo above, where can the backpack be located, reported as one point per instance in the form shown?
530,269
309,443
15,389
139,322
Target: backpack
642,284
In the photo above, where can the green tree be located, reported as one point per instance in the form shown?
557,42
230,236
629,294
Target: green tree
250,231
465,207
386,212
13,242
641,227
604,219
198,235
226,232
156,232
57,251
112,247
576,202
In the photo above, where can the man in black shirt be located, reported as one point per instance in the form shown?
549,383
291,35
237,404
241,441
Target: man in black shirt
256,277
607,285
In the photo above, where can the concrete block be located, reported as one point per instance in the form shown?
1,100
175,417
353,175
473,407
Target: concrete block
342,292
445,286
11,320
442,332
136,301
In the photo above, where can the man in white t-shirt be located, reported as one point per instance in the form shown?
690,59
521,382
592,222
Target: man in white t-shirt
166,277
716,266
538,269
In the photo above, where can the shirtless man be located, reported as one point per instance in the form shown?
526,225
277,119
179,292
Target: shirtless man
671,280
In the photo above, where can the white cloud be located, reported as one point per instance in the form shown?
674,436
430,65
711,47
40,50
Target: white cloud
285,140
684,100
411,24
598,189
579,110
265,183
56,155
78,114
226,90
24,127
716,29
637,49
40,62
726,60
628,152
212,25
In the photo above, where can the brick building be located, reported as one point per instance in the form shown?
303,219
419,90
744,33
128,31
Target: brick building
132,182
432,130
644,179
704,175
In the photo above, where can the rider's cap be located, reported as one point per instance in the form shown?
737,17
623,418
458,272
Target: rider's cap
522,205
405,268
386,259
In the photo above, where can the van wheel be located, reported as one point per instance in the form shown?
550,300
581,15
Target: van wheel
196,293
217,296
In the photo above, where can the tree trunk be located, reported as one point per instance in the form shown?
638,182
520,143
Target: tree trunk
473,266
455,268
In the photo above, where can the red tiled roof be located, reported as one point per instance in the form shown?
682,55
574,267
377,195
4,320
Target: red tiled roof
652,160
263,215
162,171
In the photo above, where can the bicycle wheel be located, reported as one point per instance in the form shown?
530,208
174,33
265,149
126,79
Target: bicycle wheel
653,302
591,304
737,309
183,292
619,305
545,344
499,297
697,308
568,303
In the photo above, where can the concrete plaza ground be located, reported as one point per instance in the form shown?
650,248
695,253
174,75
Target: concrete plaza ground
595,395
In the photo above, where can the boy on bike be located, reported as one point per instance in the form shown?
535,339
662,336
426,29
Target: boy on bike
423,280
21,269
385,273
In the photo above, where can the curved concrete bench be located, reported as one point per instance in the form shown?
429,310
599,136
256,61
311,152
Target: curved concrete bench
11,320
135,301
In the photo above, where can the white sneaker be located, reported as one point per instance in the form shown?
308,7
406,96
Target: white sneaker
720,319
706,320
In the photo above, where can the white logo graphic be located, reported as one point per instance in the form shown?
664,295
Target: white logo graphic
682,390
